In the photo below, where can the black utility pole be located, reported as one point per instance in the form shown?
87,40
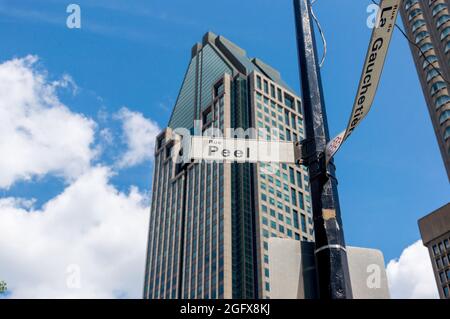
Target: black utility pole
330,252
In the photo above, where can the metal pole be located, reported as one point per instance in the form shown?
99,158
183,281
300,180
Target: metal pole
330,252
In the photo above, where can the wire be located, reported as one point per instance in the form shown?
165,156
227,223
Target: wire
422,54
321,34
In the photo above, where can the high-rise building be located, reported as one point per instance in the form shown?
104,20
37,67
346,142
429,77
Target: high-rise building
427,24
435,231
210,222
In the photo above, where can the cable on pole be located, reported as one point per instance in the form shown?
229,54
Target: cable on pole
322,35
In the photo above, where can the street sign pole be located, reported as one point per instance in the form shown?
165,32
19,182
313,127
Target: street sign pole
330,252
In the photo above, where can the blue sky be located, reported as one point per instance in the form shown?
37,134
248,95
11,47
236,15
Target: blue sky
134,54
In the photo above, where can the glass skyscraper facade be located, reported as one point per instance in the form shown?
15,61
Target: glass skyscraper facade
210,222
427,24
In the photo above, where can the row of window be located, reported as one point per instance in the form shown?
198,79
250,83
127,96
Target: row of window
442,262
204,229
162,278
441,247
277,120
277,93
444,277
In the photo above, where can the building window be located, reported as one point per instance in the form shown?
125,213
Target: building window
422,35
442,277
291,175
445,33
273,225
293,122
418,24
272,212
447,133
272,91
279,95
445,261
258,82
425,47
295,216
207,116
303,221
293,197
442,20
435,250
299,107
436,87
289,101
414,13
438,8
442,100
410,3
301,200
432,74
288,135
218,89
299,179
429,60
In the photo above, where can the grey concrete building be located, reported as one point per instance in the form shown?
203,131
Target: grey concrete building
210,222
427,24
435,231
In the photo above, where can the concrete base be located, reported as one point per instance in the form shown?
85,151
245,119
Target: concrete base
293,275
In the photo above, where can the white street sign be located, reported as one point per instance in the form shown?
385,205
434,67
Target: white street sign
241,150
373,67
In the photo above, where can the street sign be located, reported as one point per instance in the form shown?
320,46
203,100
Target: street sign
241,150
373,67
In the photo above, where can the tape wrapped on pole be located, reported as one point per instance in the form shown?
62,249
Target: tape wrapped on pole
373,67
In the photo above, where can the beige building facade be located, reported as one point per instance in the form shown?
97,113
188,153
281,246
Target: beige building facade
427,23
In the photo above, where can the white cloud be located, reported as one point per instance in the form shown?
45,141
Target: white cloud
139,134
411,276
39,134
90,226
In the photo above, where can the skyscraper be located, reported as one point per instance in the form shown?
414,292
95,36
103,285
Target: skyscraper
210,222
435,231
427,24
